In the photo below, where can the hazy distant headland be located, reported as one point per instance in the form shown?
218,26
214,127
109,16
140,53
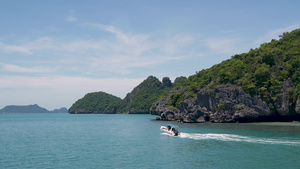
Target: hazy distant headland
30,109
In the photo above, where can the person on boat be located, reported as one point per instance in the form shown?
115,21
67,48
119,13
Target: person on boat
175,132
169,127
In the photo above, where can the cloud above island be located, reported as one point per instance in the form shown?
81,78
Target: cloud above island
274,34
60,89
117,54
52,54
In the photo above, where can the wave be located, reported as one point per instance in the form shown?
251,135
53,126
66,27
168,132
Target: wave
238,138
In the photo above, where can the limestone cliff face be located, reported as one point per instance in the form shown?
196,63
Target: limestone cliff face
297,109
228,103
224,103
162,109
285,105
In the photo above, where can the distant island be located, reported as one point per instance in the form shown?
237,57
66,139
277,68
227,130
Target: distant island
30,109
138,101
261,85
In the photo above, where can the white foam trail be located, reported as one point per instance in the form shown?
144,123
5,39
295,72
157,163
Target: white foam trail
167,134
238,138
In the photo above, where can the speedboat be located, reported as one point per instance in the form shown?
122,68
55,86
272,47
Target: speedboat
170,130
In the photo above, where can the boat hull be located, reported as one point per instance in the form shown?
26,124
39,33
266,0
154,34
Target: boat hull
168,132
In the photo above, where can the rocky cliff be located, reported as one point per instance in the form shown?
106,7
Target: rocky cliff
261,85
224,103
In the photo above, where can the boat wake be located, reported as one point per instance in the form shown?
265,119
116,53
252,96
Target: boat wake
238,138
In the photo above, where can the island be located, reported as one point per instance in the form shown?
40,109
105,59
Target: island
30,109
261,85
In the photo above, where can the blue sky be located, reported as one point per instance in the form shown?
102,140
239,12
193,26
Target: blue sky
54,52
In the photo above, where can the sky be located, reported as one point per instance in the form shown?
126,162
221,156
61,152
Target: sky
54,52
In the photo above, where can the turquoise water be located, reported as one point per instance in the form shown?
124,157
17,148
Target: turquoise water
135,141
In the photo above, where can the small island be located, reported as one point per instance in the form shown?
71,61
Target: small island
138,101
30,109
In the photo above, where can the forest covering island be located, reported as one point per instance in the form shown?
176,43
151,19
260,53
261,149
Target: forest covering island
261,85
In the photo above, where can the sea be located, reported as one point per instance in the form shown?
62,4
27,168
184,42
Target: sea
69,141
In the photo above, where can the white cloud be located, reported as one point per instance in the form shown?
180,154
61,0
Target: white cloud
59,90
75,46
19,69
174,44
130,43
70,83
13,49
118,53
223,45
71,17
274,34
41,44
140,43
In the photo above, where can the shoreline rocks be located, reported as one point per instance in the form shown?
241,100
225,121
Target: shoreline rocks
222,104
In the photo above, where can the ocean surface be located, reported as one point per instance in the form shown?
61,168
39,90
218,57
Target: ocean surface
48,141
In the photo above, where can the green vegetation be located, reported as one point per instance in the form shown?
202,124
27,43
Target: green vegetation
179,80
138,101
261,71
95,102
144,95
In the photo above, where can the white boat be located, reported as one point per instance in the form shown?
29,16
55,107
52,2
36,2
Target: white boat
170,130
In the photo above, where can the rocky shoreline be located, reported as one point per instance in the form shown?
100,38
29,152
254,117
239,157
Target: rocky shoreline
227,104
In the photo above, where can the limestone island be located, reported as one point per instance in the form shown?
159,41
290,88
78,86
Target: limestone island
262,85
